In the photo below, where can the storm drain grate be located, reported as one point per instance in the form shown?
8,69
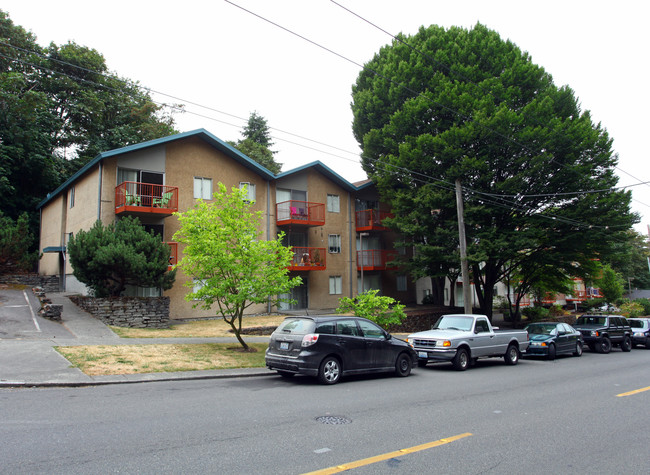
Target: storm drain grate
333,420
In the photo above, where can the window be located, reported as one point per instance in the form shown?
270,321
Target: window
333,205
335,285
203,188
334,243
250,187
370,330
197,284
347,327
401,283
72,197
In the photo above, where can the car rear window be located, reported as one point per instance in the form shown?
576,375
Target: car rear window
297,325
637,323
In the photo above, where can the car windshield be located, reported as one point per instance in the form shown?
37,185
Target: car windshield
592,321
541,328
638,323
296,325
448,322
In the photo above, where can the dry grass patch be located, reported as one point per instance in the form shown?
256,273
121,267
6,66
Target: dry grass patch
198,329
132,359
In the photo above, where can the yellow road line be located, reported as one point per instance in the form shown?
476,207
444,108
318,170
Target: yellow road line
636,391
387,456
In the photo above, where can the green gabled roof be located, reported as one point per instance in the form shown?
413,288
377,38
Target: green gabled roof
323,169
200,133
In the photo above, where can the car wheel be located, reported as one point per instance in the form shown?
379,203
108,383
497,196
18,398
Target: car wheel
403,365
512,355
578,351
422,363
605,346
329,371
551,352
626,344
461,360
286,374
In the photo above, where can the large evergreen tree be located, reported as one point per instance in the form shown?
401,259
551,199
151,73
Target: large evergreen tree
463,104
256,143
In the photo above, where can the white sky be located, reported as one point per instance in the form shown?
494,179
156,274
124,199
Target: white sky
215,54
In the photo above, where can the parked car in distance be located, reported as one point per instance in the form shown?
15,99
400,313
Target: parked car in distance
550,339
640,331
600,332
330,347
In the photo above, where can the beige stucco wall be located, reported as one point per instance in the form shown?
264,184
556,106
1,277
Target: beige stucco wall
52,219
189,158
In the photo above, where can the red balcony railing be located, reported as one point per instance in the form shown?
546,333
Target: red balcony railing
374,259
308,258
300,212
372,219
134,197
173,255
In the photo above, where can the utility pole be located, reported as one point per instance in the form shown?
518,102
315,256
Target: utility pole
464,266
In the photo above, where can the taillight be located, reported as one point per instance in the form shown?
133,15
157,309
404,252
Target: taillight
309,339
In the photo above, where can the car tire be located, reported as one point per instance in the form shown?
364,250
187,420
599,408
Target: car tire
551,352
461,360
626,344
286,374
605,346
578,350
329,371
512,355
403,365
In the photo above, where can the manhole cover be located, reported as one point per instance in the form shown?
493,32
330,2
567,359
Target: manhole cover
333,420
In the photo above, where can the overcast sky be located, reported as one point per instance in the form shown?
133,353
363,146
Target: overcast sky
231,62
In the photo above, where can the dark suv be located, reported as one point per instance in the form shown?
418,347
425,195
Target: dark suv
600,332
333,346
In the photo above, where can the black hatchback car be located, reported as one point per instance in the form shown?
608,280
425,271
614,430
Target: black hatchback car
330,347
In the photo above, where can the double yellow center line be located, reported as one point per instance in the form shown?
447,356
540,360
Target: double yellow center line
389,455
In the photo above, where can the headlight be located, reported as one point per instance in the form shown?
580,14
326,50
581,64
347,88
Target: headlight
594,333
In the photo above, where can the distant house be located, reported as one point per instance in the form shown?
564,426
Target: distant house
334,227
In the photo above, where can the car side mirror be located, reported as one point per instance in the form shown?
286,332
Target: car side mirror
388,336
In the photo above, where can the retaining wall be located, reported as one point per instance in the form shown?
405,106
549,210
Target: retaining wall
131,312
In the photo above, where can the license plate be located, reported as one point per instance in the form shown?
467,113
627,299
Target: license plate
423,354
284,345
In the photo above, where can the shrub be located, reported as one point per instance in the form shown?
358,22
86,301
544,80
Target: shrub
645,303
382,310
632,309
534,314
556,311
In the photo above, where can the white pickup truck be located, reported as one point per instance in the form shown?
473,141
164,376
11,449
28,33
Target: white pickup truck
462,339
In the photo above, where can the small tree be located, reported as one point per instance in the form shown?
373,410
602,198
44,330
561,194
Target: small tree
15,241
108,258
611,285
256,143
224,255
382,310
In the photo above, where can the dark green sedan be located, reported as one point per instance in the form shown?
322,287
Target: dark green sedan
550,339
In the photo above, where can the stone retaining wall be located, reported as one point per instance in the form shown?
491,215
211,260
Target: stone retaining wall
131,312
49,283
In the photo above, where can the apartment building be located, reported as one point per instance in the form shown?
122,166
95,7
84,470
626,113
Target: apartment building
334,227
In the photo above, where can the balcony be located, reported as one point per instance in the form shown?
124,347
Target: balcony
173,256
308,258
302,213
374,259
372,219
145,198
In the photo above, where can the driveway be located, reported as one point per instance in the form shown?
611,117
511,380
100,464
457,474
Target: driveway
19,319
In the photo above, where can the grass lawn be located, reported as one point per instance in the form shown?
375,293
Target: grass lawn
132,359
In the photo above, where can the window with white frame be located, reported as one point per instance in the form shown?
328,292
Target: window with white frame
334,243
333,204
202,188
250,190
401,283
336,285
197,284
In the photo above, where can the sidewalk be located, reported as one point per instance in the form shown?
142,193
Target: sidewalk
33,362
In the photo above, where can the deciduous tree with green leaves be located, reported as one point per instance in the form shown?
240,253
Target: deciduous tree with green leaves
611,285
108,258
230,265
15,242
457,104
381,309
